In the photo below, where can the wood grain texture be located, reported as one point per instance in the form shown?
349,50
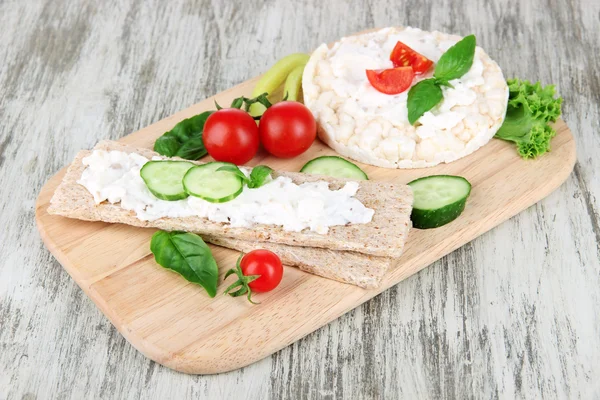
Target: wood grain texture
511,315
177,325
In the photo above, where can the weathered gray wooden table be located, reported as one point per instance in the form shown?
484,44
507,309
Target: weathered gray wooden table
513,314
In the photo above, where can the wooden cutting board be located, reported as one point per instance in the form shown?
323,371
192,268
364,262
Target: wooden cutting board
176,324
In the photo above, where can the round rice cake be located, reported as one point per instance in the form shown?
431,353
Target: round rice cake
361,123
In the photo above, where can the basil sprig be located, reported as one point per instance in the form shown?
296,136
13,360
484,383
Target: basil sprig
188,255
185,139
258,175
453,64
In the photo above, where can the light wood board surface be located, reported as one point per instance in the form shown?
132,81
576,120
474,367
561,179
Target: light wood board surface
176,324
513,314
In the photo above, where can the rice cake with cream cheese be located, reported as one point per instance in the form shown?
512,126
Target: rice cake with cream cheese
361,123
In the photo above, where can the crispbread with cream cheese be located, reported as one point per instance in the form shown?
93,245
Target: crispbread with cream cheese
384,236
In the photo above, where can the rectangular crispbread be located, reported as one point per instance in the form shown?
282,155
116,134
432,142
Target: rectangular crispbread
384,236
344,266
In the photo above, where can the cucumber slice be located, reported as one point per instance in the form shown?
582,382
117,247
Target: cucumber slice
334,166
206,182
164,178
438,200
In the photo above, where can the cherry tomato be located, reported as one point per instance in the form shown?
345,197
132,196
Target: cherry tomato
287,129
231,135
404,56
266,264
391,81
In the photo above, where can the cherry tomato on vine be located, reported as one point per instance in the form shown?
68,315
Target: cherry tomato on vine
287,129
267,265
258,271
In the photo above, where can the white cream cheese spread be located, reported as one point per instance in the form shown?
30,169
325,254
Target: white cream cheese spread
114,176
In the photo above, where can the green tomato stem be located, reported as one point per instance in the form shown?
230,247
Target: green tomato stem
242,283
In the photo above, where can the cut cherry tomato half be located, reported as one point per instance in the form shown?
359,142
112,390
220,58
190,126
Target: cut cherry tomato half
404,56
391,81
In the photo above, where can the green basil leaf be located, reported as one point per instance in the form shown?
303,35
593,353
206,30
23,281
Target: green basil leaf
167,145
234,170
421,98
442,82
190,127
188,255
192,149
185,139
457,60
259,175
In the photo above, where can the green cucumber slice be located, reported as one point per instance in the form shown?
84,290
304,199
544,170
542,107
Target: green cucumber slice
334,166
164,178
205,182
438,200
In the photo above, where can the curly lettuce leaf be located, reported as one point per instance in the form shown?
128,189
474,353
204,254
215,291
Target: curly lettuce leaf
531,108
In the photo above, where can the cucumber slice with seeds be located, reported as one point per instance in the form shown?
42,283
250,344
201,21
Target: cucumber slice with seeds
438,200
205,182
164,178
334,166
